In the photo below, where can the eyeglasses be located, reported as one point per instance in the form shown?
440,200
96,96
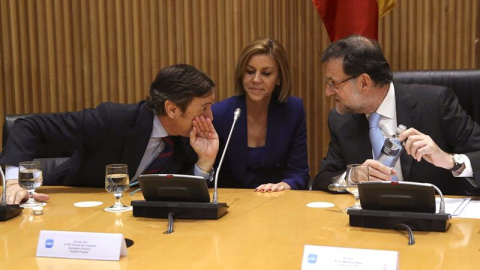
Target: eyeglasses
334,85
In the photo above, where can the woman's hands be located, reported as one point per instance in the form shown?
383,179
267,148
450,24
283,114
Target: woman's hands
273,187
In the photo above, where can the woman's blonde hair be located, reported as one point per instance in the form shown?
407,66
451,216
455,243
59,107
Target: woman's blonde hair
276,51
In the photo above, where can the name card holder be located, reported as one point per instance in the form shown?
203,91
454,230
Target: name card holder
81,245
325,257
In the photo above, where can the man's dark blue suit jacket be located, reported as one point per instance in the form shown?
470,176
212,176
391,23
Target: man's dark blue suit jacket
110,133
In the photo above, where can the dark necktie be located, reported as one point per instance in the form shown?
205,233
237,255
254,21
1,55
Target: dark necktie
161,161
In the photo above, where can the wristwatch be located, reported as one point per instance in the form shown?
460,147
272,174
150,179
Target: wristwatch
458,160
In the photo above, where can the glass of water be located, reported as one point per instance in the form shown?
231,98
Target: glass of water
117,182
30,177
356,173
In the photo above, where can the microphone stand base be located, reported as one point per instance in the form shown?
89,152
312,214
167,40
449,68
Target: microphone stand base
184,210
390,219
8,211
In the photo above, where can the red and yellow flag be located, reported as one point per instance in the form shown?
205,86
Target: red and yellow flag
346,17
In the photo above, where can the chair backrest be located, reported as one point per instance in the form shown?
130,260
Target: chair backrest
464,82
48,155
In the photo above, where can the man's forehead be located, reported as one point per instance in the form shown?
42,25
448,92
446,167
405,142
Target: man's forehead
205,99
333,67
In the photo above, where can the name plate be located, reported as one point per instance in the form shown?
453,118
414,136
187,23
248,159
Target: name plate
81,245
322,257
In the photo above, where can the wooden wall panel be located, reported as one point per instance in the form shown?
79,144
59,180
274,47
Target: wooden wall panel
66,55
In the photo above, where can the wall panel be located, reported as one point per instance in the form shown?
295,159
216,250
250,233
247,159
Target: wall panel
66,55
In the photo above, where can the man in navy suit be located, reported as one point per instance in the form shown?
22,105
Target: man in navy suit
442,144
179,106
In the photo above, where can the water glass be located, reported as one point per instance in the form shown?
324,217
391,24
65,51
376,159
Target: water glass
117,182
356,173
30,177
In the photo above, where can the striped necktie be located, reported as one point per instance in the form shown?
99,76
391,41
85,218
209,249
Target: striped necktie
163,158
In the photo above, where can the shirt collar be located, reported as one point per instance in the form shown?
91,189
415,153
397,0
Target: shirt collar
158,130
387,108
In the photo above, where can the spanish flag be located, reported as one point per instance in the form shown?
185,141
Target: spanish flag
346,17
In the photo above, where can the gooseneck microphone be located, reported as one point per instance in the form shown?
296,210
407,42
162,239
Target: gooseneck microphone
236,114
7,211
190,207
441,208
4,183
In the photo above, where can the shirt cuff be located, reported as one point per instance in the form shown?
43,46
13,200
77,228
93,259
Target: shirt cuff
11,172
468,171
206,175
338,183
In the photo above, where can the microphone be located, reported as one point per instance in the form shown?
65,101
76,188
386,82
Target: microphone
177,198
7,211
407,205
236,114
441,208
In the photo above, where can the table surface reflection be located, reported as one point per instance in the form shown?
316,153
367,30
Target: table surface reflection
260,231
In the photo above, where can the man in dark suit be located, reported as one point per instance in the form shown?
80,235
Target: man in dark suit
442,144
179,106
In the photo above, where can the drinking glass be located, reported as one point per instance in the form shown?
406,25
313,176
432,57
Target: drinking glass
117,182
356,173
30,177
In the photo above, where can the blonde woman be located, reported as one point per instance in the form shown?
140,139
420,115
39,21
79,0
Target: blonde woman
268,148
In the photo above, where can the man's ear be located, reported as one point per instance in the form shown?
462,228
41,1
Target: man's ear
171,109
365,81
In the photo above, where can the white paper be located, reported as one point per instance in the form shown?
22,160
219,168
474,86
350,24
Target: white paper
472,210
81,245
320,205
87,204
453,206
323,257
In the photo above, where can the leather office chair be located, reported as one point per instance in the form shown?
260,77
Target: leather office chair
464,82
48,155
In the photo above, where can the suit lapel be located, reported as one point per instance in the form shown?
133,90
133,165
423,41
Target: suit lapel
137,140
272,139
407,115
357,134
237,150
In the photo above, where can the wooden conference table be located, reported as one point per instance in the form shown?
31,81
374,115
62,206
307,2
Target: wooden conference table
260,231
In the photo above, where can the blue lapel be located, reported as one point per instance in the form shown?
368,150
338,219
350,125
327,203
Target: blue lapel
237,150
137,140
276,121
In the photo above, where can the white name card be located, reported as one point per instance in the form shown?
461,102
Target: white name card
81,245
322,257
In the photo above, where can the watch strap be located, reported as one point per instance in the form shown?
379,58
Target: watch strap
457,165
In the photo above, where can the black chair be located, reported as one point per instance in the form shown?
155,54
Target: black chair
50,156
464,82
